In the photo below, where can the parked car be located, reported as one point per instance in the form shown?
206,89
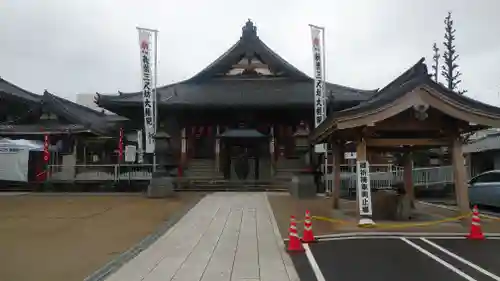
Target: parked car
484,189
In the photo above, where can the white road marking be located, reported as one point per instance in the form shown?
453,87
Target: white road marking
476,267
396,237
314,264
458,235
484,214
437,259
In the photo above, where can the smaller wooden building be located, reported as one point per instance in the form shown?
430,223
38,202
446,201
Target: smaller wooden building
412,112
76,131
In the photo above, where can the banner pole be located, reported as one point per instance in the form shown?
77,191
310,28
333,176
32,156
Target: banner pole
156,96
326,177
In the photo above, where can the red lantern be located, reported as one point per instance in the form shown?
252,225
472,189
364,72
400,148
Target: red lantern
46,153
42,175
209,130
120,146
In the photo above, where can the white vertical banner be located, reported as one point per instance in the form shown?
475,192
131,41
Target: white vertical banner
363,188
140,149
149,97
317,38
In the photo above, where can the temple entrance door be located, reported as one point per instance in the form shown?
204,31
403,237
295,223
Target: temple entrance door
242,150
243,162
203,147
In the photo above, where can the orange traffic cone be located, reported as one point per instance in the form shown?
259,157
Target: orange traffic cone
294,244
475,229
308,236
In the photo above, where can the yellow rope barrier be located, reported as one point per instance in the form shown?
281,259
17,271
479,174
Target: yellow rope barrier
402,225
490,218
395,225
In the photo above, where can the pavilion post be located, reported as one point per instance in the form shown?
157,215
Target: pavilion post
408,177
460,180
336,175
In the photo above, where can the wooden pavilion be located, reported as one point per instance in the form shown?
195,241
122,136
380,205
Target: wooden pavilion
412,112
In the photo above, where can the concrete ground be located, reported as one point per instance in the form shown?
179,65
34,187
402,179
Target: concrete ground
64,237
228,236
399,258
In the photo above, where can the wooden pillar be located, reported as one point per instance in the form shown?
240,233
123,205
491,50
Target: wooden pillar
460,179
272,150
360,156
408,177
183,151
337,154
217,150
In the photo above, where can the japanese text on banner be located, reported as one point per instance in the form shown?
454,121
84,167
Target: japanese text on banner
147,89
319,85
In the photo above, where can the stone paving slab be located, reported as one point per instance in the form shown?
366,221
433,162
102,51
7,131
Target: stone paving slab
227,236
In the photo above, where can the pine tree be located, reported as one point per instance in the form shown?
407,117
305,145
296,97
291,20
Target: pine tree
450,70
435,59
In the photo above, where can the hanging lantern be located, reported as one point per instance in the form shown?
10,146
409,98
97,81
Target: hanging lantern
46,153
120,146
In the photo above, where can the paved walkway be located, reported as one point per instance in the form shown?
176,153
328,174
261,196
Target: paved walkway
225,237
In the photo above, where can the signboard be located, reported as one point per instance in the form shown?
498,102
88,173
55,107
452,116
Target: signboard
363,190
130,152
148,97
317,36
350,155
140,151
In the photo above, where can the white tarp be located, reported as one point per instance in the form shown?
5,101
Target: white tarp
14,162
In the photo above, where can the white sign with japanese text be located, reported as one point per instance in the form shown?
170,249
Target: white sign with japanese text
363,190
319,80
147,89
350,155
140,154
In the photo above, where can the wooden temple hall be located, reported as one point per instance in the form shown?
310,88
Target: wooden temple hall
246,116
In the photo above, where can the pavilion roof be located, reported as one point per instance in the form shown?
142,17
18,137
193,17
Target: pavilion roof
95,121
412,88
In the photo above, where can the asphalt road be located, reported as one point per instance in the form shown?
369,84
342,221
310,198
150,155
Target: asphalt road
409,259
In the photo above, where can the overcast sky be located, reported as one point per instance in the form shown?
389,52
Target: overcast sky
88,46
